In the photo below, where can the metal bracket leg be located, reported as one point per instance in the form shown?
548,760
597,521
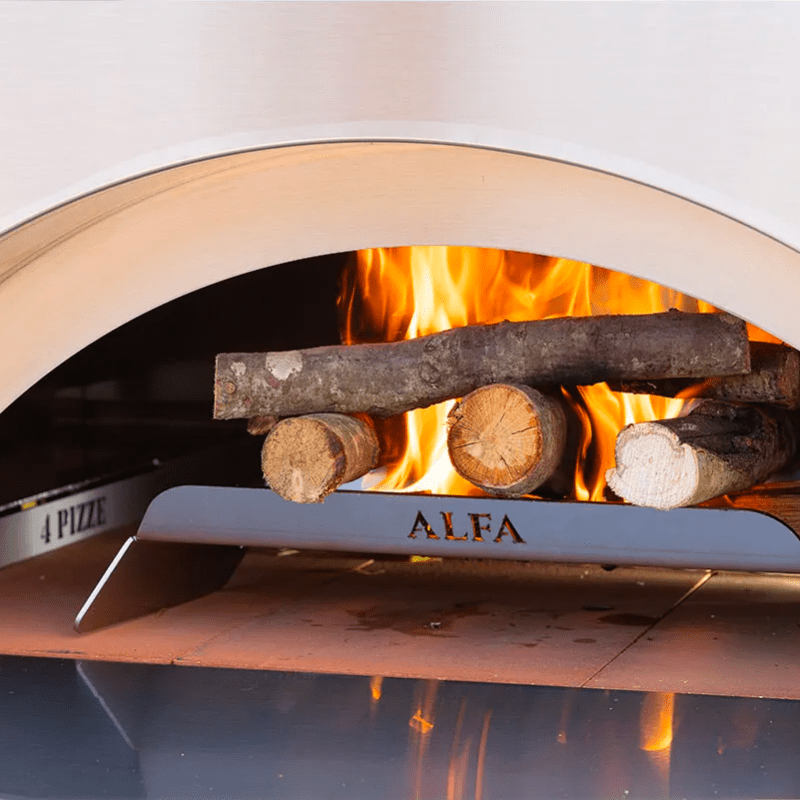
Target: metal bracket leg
146,576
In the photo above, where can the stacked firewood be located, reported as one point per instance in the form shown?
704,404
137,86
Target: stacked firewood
316,406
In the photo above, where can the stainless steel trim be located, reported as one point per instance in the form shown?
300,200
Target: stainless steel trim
373,522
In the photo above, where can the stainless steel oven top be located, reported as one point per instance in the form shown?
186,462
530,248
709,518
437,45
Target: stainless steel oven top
146,152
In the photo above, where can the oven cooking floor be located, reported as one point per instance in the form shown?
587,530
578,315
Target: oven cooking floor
560,625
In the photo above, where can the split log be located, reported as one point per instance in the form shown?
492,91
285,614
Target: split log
507,440
305,458
387,379
774,378
716,449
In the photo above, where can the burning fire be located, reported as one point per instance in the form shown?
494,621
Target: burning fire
390,294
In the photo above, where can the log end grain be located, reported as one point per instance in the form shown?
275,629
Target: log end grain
653,468
305,458
506,439
716,449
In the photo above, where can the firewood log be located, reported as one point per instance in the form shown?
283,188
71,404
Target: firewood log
261,426
716,449
774,378
305,458
387,379
507,440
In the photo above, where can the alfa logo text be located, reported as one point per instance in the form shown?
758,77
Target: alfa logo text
480,526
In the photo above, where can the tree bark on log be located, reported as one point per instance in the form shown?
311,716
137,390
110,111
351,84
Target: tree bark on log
774,378
387,379
506,439
261,426
305,458
716,449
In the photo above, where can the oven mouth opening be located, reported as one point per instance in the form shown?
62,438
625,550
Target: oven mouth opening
144,391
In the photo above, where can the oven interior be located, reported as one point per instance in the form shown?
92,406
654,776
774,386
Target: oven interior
397,629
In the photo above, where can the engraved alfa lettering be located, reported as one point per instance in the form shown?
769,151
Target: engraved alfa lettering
477,528
421,525
507,528
481,524
447,516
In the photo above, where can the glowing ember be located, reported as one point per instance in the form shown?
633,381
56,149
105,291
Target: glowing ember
403,293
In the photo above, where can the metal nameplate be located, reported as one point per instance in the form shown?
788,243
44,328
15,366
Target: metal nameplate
41,526
59,517
476,527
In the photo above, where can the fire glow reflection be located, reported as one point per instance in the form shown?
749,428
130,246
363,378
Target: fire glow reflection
390,294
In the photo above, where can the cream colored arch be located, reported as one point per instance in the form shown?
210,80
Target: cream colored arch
81,270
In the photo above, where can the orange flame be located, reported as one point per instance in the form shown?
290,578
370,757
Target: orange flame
401,293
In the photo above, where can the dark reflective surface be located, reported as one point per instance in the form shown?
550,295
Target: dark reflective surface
94,729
